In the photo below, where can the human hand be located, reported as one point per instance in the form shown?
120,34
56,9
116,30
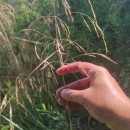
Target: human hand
98,93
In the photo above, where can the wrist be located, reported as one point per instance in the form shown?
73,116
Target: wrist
120,117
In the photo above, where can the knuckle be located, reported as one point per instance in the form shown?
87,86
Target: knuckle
103,69
78,63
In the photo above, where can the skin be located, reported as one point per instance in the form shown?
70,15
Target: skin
98,93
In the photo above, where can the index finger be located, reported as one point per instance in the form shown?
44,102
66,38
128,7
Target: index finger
82,67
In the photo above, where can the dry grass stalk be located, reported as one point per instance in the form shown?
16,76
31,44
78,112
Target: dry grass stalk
7,14
36,52
3,104
86,23
8,45
7,21
59,52
96,26
65,27
94,56
11,117
104,56
67,9
57,40
94,15
18,85
28,96
42,63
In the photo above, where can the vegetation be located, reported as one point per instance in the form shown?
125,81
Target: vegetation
38,36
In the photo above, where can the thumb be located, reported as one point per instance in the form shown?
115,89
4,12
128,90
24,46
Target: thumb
72,95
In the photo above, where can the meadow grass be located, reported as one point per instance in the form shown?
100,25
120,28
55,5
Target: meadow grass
34,53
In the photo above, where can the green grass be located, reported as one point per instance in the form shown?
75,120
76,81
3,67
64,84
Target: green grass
37,38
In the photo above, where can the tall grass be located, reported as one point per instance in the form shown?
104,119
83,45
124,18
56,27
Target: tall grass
7,21
36,45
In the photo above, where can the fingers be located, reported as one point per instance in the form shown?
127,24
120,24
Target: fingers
69,105
77,85
71,95
82,67
62,102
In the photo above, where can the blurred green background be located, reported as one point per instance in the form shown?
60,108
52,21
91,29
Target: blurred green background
37,37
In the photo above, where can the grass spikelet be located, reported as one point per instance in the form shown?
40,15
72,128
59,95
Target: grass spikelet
67,9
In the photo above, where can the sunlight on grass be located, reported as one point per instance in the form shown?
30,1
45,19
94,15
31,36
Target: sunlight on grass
36,38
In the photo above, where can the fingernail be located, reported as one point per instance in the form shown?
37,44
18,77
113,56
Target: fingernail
64,93
58,92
